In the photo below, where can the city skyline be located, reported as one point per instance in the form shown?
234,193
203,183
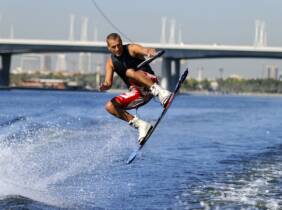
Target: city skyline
202,22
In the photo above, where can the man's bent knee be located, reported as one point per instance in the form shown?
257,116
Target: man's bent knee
111,106
130,73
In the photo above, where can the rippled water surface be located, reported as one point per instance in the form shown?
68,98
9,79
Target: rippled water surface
61,150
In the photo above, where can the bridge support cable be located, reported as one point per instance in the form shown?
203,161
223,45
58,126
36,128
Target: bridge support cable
5,71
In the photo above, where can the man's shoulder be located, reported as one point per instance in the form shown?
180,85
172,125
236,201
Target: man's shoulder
131,45
133,49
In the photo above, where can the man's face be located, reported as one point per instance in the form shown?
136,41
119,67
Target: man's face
115,46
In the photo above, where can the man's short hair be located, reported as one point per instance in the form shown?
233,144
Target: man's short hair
113,36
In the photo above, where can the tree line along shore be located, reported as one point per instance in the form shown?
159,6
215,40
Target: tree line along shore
92,82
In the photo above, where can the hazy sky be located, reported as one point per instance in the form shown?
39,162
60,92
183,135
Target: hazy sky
201,21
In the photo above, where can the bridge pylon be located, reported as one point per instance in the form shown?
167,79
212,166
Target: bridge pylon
170,72
5,69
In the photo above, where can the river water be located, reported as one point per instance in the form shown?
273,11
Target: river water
61,150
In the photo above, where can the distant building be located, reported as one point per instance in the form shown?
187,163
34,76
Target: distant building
235,76
47,66
200,74
214,85
272,72
44,83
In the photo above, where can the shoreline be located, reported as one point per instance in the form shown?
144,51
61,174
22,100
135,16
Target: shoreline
47,89
119,91
208,93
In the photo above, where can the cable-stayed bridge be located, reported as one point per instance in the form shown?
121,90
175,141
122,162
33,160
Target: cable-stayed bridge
171,59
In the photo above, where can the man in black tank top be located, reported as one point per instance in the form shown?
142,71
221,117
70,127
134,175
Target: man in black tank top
142,83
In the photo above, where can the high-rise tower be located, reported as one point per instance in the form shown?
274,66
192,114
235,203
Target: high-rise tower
71,35
260,34
163,37
172,32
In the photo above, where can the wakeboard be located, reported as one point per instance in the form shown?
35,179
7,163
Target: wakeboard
140,146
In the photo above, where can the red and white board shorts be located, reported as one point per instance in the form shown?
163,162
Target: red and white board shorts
137,95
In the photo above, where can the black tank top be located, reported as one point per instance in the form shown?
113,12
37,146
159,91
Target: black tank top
126,61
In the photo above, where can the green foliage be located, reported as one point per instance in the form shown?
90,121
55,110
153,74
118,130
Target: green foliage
190,84
229,85
252,86
205,84
83,80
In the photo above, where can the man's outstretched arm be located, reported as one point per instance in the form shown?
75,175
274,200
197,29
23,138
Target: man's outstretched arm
107,84
136,50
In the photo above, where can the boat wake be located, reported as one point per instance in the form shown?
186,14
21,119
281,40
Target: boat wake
50,160
248,183
21,202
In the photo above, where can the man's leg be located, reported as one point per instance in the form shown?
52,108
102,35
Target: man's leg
140,78
115,109
133,99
